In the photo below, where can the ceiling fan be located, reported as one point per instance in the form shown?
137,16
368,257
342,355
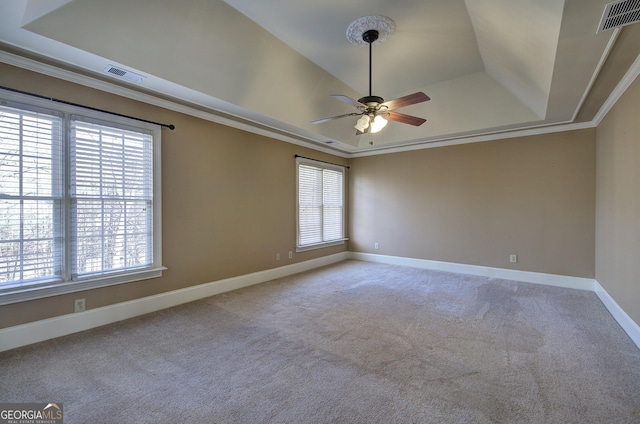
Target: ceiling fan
373,110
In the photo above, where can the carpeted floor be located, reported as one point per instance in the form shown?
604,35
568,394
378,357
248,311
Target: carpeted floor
353,342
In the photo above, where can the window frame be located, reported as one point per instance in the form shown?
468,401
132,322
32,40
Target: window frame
20,291
320,165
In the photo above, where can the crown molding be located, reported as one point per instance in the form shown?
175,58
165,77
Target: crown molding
245,124
219,117
625,82
489,136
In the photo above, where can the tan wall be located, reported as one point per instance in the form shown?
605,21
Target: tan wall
618,203
478,203
228,201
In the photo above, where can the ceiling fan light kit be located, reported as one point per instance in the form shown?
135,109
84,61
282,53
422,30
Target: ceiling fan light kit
378,123
373,110
362,123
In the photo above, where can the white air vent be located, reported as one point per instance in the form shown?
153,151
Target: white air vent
128,75
619,13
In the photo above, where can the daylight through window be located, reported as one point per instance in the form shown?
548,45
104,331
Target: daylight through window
320,204
78,202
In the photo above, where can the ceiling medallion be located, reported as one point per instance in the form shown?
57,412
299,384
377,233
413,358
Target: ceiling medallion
385,26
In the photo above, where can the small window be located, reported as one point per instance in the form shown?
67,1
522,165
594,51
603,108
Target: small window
320,199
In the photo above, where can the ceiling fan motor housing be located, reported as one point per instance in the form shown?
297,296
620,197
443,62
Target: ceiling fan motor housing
372,105
371,99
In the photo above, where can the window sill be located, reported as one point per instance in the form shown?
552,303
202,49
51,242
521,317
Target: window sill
320,245
38,291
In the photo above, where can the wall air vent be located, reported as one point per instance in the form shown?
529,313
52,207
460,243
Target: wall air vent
618,14
128,75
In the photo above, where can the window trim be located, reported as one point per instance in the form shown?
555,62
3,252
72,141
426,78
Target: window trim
322,165
20,292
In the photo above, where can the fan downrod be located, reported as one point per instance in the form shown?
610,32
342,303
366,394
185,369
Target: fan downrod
370,36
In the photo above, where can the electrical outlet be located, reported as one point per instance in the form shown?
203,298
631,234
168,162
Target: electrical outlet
376,245
277,256
79,305
290,254
513,258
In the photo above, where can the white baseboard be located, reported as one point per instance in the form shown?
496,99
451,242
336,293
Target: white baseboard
625,321
628,325
25,334
484,271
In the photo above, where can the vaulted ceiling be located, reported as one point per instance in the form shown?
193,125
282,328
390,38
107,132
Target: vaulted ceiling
490,66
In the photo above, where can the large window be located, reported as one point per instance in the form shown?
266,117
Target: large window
321,209
79,201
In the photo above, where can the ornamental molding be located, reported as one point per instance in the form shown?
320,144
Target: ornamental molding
385,27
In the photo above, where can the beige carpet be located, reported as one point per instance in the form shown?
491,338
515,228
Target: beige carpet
353,342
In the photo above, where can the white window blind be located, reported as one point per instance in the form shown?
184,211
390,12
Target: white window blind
320,204
111,198
31,190
80,199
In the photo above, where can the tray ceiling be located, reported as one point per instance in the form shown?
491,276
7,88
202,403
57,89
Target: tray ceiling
489,67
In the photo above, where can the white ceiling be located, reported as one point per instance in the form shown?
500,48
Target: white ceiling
489,66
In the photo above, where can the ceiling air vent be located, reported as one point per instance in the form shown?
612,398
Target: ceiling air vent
619,13
128,75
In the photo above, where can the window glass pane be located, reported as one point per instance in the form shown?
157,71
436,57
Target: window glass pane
332,223
138,224
37,178
112,189
94,183
310,223
320,204
309,205
31,168
10,243
9,174
332,201
38,252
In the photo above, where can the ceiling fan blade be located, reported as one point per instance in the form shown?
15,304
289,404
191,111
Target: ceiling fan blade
406,119
407,100
348,100
331,118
